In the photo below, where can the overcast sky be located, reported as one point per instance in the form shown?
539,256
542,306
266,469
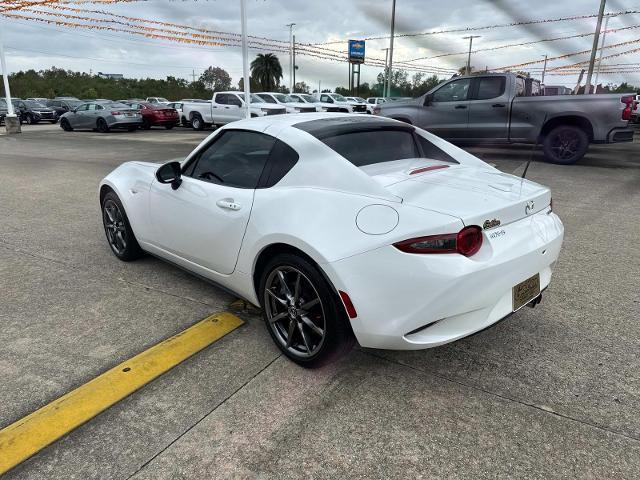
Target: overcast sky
31,45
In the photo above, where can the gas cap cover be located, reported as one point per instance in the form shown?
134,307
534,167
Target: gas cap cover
377,219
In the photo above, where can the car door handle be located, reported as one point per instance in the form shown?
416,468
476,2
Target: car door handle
460,107
229,204
498,105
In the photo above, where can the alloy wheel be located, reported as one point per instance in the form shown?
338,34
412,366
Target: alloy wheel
294,311
565,144
114,226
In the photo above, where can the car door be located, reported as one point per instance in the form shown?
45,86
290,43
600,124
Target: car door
489,109
446,111
77,118
234,108
203,221
221,108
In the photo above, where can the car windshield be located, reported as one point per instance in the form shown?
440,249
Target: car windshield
34,104
338,97
360,99
308,98
284,98
73,103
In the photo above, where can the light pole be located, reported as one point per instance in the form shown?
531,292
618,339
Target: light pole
393,28
596,38
245,59
470,37
11,122
544,69
386,70
290,25
604,36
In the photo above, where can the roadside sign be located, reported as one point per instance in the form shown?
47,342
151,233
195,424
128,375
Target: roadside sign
356,51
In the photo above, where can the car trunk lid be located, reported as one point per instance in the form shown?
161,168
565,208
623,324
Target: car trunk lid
478,196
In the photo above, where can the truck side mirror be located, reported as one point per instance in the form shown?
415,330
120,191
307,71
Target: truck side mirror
428,99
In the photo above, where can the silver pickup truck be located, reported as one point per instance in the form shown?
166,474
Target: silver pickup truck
494,109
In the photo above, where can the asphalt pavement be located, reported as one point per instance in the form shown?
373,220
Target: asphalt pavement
552,392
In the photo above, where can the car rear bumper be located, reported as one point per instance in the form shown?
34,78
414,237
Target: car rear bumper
410,302
123,122
618,135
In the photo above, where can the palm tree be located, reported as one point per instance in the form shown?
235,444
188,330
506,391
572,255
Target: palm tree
267,71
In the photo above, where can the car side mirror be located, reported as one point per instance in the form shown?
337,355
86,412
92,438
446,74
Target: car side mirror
428,99
170,173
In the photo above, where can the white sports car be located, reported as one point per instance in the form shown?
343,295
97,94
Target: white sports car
342,228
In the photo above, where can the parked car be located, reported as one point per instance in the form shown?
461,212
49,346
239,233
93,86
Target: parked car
63,106
635,113
307,98
101,117
194,100
361,101
493,109
291,104
32,112
226,107
177,106
414,243
38,99
334,102
157,115
376,100
67,98
155,100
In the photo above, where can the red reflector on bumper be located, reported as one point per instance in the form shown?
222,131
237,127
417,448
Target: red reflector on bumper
348,304
427,169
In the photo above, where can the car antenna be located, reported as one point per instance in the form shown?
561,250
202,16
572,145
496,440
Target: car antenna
533,150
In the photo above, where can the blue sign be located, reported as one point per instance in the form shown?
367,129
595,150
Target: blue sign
356,51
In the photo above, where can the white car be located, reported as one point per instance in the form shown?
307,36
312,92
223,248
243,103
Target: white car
334,102
226,107
342,227
157,100
361,101
293,105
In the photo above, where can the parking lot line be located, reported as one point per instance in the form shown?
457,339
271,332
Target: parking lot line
32,433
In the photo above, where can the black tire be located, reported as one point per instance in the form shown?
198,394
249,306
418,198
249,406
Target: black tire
169,127
565,144
65,125
53,122
196,122
102,126
132,129
184,122
310,349
146,124
117,229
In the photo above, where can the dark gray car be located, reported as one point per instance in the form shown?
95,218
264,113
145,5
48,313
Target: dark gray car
101,116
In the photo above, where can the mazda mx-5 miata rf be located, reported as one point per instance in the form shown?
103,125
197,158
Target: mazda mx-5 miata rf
342,228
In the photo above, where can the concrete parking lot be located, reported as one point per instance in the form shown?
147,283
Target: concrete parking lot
552,392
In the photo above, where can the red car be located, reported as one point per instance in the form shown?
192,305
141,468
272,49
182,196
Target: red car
155,114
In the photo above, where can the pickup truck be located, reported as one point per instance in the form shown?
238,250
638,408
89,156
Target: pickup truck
494,109
226,107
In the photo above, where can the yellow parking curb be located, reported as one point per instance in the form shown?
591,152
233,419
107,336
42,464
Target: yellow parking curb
32,433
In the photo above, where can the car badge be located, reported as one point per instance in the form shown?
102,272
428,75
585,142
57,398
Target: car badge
529,208
491,223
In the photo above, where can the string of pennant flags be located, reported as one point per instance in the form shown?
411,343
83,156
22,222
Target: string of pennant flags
61,13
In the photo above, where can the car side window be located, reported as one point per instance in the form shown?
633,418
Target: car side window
221,99
83,107
91,106
281,159
99,107
233,100
326,99
453,91
520,87
235,159
490,87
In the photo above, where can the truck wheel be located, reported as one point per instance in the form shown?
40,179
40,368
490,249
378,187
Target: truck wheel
197,123
565,144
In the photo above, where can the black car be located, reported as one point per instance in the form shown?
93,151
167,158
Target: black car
62,106
3,110
31,111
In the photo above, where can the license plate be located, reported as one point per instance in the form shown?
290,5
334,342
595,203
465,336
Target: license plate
130,114
526,291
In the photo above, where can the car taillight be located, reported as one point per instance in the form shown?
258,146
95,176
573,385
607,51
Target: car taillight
116,113
628,100
466,242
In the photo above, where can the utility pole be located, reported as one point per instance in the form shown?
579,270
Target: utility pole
294,64
386,71
544,69
470,37
393,28
245,59
290,25
604,36
594,49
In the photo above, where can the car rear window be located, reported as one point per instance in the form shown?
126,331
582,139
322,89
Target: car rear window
367,148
